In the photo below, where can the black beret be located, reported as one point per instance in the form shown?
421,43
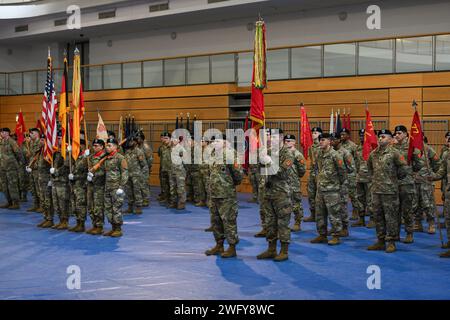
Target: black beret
362,131
112,140
98,141
111,133
42,136
165,134
447,134
385,131
82,141
6,130
316,129
325,135
401,128
344,130
334,136
59,134
141,134
289,137
34,129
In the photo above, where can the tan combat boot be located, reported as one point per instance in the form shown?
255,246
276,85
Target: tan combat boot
296,227
39,210
319,239
48,224
311,218
355,215
108,233
445,254
379,245
79,227
409,238
431,227
138,210
390,247
218,249
344,233
145,203
230,252
371,224
418,227
117,231
261,234
209,229
181,206
446,245
72,229
129,210
6,205
32,209
283,255
14,206
41,223
97,231
271,251
334,241
360,223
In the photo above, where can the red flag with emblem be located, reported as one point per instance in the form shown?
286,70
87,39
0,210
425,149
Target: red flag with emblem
306,139
370,139
415,136
20,128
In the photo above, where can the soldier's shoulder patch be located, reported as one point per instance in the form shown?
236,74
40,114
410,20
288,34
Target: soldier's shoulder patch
124,164
340,162
302,161
402,158
236,165
287,163
436,157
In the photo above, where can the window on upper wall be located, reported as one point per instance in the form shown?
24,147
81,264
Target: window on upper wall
198,70
222,68
132,75
175,72
245,67
414,54
306,62
94,78
339,59
3,77
15,83
112,74
153,73
30,81
375,57
443,52
277,64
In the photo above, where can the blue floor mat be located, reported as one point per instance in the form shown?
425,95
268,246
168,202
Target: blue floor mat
161,256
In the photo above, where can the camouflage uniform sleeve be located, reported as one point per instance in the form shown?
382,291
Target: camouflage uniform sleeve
340,168
286,162
442,172
236,172
350,163
123,173
435,161
300,163
402,165
143,164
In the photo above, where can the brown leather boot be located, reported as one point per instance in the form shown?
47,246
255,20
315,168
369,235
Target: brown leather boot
283,255
261,234
271,251
360,223
39,210
319,239
72,229
344,233
129,210
371,224
230,252
32,209
379,245
217,249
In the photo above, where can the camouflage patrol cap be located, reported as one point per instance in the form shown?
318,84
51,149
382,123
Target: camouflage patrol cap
289,137
98,141
325,135
385,132
401,128
316,129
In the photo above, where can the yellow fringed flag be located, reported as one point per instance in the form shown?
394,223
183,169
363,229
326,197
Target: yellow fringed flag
63,103
77,104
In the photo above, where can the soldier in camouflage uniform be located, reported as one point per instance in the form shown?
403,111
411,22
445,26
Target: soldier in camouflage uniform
137,167
45,187
444,174
262,185
145,180
348,144
188,180
423,165
79,187
177,176
331,178
312,179
407,189
349,164
224,178
116,178
363,194
197,183
60,186
26,179
96,187
253,175
386,167
165,166
277,202
298,170
9,169
31,169
205,173
444,151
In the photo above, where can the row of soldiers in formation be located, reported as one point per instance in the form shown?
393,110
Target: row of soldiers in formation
95,183
386,187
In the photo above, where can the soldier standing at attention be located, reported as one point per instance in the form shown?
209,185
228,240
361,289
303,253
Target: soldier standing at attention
137,167
26,151
349,164
406,188
253,175
205,171
96,187
145,181
297,172
60,187
331,178
348,144
224,178
312,179
444,174
165,166
45,187
116,178
78,179
177,176
9,169
31,168
363,195
277,202
386,167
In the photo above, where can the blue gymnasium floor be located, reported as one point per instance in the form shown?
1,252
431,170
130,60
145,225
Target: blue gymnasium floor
161,257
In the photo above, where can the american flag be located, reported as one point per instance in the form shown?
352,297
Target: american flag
49,106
